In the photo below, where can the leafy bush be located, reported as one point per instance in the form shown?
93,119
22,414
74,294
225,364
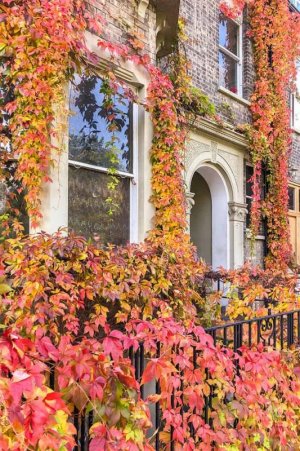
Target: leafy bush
80,310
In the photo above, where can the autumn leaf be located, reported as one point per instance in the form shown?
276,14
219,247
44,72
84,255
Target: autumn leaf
157,368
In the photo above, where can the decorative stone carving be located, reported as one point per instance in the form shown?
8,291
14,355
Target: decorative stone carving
3,197
214,151
190,201
193,149
237,212
235,162
142,7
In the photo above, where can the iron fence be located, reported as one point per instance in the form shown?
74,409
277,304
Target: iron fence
279,331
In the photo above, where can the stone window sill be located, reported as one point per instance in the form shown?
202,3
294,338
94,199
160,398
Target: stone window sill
234,96
258,237
296,130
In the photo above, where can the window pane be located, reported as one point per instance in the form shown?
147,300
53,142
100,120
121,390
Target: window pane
6,96
88,209
248,216
249,174
228,34
90,138
11,199
296,121
291,198
296,100
228,72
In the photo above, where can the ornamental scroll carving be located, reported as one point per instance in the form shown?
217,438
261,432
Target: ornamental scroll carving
237,211
142,7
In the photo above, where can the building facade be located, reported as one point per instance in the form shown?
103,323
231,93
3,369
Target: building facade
217,166
217,160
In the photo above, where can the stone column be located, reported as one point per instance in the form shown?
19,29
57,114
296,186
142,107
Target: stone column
237,216
190,203
3,198
54,196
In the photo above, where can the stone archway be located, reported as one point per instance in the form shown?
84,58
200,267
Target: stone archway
222,168
209,219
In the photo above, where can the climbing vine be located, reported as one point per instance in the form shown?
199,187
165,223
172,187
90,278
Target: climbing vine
35,71
275,33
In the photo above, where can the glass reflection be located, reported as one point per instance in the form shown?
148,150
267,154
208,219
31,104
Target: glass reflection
88,208
228,34
92,137
228,72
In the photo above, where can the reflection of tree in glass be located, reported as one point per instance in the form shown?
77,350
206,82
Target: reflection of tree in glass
11,189
100,129
12,199
88,209
90,149
6,96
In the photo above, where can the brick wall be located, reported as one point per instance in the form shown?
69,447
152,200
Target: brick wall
122,17
202,27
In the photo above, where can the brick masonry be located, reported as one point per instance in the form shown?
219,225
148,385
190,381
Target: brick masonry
122,18
202,27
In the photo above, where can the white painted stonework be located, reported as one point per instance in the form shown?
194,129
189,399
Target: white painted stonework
221,164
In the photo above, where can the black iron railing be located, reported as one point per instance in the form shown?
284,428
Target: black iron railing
279,331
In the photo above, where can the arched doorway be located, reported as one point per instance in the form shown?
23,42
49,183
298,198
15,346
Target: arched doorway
209,220
201,218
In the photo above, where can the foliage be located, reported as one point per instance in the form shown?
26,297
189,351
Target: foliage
251,292
60,274
275,34
59,295
192,102
37,72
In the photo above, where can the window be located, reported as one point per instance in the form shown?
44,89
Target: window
291,198
230,64
249,174
99,152
294,198
295,101
295,5
294,219
11,194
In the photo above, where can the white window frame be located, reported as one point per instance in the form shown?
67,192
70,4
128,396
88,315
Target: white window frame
295,101
133,175
237,58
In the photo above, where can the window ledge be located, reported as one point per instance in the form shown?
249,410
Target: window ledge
296,130
234,96
79,164
258,237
